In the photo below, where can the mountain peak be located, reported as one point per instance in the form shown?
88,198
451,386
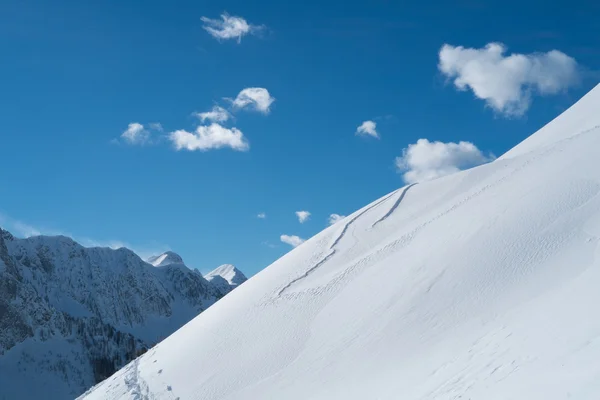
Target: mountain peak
6,235
166,258
230,273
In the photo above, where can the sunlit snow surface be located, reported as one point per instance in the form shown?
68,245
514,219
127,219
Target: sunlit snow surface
480,285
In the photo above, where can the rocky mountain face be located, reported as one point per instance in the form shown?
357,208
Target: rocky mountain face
70,316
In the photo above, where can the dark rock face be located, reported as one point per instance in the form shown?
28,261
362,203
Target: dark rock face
71,316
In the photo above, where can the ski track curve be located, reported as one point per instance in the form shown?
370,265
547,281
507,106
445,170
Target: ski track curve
403,241
384,252
332,249
394,206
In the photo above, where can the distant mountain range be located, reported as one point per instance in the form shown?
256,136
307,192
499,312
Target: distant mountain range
70,316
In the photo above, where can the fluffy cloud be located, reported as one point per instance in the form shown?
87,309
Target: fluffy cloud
368,128
229,27
217,114
302,216
262,215
258,99
135,134
506,82
293,240
334,218
213,136
427,160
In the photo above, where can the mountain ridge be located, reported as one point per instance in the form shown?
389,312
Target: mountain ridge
72,315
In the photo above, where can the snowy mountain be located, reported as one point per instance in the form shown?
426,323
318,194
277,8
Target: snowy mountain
70,316
479,285
226,278
165,258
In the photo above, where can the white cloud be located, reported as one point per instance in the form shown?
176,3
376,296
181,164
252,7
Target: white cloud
135,134
213,136
217,114
261,215
156,126
507,82
258,99
368,128
334,218
229,27
427,160
302,216
292,240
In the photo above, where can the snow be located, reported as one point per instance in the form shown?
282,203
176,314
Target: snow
165,258
231,274
479,285
220,283
226,278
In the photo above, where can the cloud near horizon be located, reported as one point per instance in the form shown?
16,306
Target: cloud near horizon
507,82
425,160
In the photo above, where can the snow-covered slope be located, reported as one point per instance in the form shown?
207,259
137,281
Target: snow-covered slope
70,316
226,277
480,285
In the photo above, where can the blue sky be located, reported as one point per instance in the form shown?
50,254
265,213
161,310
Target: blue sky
76,74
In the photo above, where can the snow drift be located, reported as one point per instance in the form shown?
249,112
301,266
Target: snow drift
479,285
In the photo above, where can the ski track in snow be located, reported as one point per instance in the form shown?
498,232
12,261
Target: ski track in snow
396,204
135,384
390,248
387,250
395,245
332,249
